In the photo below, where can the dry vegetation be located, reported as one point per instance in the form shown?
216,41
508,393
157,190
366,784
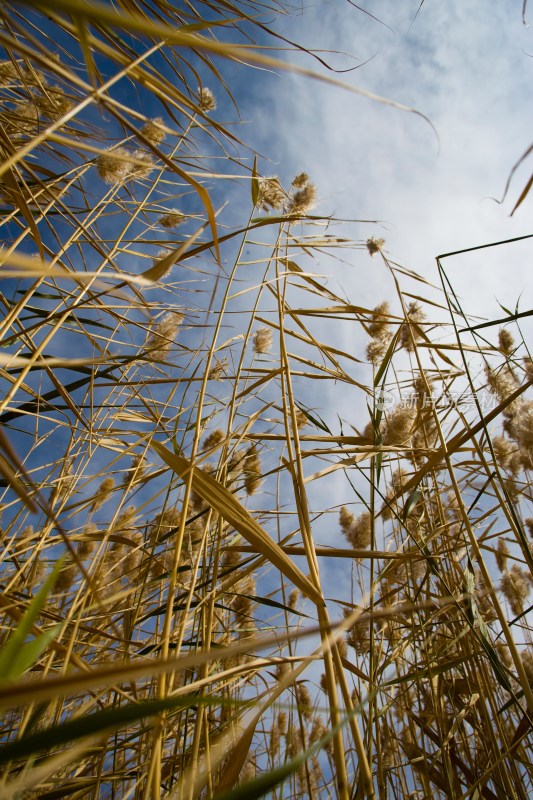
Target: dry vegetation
208,590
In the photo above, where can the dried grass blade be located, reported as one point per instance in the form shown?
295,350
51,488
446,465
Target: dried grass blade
227,505
236,759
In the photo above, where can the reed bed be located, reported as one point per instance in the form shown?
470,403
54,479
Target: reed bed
257,540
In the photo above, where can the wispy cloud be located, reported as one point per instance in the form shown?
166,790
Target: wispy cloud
464,68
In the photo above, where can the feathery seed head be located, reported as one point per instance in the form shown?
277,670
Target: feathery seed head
293,598
503,652
252,471
34,77
65,579
379,327
521,459
374,245
53,103
125,520
172,219
242,603
86,546
375,350
236,464
140,166
423,395
512,488
346,520
103,493
303,200
361,531
262,341
358,636
282,722
206,99
163,252
527,661
270,194
153,131
37,574
249,769
505,341
301,180
304,701
134,553
321,731
162,337
164,523
503,451
522,425
408,330
231,559
357,530
301,419
399,426
197,504
66,482
136,471
214,439
502,554
113,166
341,647
387,750
282,668
22,119
501,383
274,738
218,369
27,533
515,586
162,565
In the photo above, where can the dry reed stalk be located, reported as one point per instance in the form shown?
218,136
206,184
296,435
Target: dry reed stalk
188,471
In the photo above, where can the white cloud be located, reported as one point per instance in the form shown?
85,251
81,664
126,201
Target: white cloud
466,68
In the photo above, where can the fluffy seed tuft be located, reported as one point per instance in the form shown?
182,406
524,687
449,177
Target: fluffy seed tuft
162,336
262,341
206,99
505,341
218,369
113,166
300,180
172,219
303,200
502,554
252,471
270,195
515,587
357,530
374,245
214,439
399,426
409,333
153,131
103,493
